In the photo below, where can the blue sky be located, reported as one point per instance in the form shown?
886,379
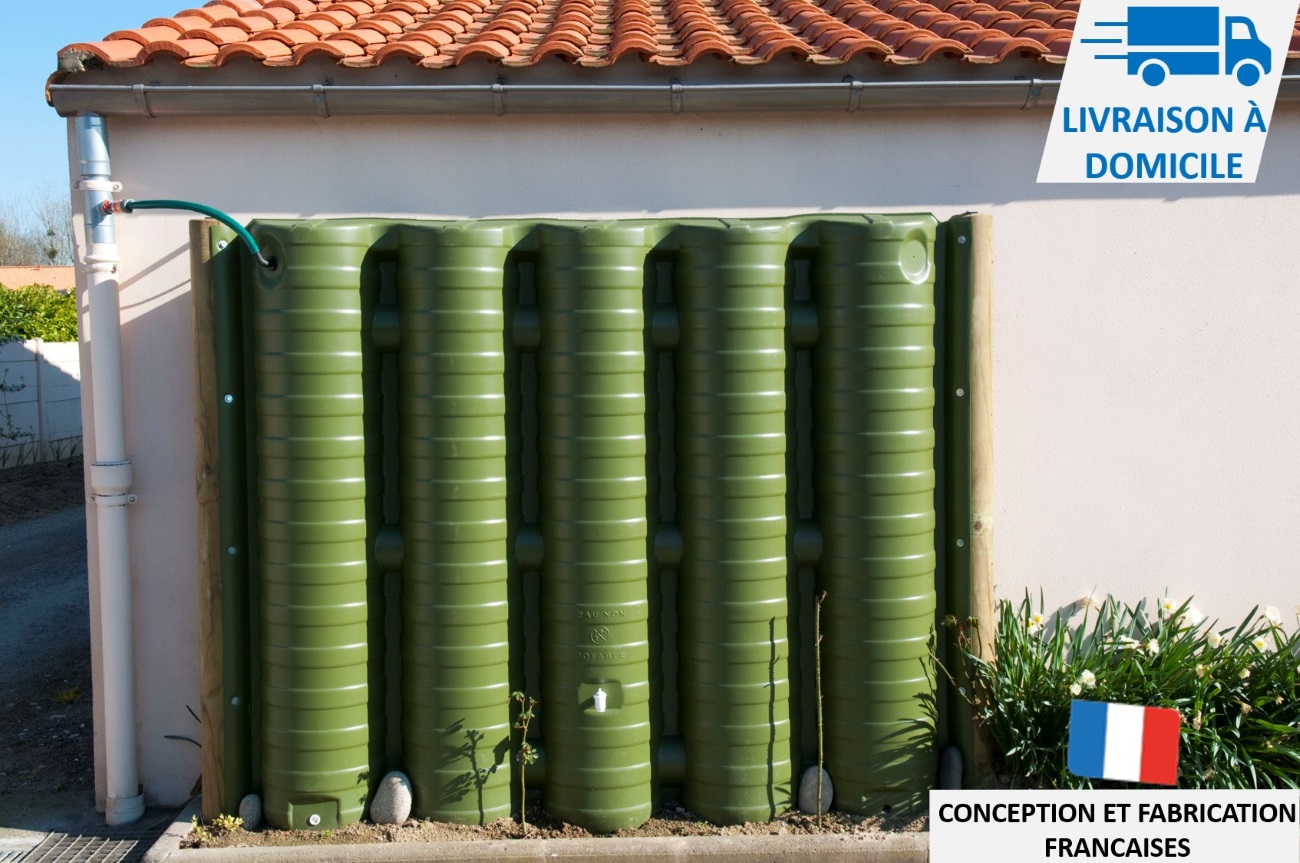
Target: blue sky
33,143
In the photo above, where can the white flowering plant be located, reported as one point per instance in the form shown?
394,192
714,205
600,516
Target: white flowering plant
1235,688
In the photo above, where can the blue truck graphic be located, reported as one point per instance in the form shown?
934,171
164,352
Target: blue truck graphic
1187,40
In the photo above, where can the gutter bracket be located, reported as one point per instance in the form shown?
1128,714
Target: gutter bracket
855,93
322,101
97,185
499,97
676,89
142,100
113,499
1031,98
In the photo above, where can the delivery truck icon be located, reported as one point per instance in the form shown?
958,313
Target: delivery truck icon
1188,40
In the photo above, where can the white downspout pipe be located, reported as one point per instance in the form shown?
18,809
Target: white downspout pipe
110,475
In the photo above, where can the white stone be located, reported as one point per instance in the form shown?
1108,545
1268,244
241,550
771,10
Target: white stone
808,791
392,801
250,811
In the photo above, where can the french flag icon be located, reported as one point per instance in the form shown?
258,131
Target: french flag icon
1124,742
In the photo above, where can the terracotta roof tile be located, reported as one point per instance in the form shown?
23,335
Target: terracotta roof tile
185,49
116,53
444,33
240,6
217,35
265,50
180,23
277,15
297,7
318,27
336,50
144,35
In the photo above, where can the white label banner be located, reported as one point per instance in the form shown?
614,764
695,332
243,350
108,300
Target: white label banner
1189,826
1167,91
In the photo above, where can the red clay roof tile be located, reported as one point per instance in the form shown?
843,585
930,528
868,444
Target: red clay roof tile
217,35
143,35
117,53
337,50
318,27
240,6
277,15
297,7
443,33
207,14
182,48
265,50
180,23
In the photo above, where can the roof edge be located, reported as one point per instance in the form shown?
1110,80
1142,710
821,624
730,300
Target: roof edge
501,97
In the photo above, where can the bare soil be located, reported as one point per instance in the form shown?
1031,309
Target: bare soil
37,489
671,819
45,704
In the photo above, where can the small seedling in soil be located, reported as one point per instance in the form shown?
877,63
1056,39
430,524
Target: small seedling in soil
821,731
204,834
527,753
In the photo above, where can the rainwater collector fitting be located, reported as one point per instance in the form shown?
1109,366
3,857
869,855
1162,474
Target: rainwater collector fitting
129,205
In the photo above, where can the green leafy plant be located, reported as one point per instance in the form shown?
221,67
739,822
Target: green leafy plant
1235,687
202,834
37,312
527,753
16,445
71,695
227,823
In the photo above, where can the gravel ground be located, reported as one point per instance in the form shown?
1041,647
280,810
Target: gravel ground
45,706
39,489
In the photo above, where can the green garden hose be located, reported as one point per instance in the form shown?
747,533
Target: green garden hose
128,205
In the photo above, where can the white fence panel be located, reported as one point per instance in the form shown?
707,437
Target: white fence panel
40,401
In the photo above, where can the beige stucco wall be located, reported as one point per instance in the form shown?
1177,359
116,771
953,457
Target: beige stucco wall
1145,401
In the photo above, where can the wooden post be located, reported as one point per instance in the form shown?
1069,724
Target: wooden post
207,497
981,444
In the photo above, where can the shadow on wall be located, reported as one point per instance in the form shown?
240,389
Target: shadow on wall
654,166
40,402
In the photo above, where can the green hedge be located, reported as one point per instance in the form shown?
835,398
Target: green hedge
37,312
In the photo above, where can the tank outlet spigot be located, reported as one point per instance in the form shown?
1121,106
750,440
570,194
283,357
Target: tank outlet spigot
599,698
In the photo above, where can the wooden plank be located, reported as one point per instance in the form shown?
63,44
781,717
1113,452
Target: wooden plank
981,442
207,498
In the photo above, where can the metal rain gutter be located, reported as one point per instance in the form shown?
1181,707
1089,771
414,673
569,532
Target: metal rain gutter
501,97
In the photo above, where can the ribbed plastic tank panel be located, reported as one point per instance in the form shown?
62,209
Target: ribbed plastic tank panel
874,444
593,498
455,651
314,554
519,453
731,445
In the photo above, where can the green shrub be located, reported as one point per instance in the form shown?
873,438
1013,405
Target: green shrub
1235,688
37,312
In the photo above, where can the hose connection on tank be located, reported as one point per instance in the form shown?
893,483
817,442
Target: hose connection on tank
128,205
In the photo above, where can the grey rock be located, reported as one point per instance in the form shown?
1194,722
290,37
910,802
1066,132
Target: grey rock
250,811
392,800
808,791
950,769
